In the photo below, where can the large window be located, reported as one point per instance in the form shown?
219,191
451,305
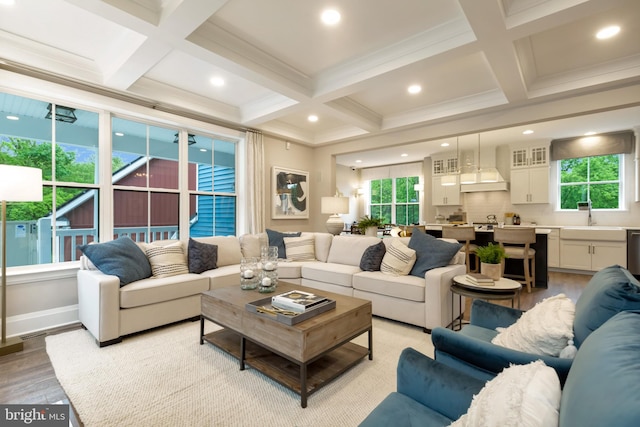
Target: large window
141,180
395,200
63,142
591,178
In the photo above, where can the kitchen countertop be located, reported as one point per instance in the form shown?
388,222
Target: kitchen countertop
483,228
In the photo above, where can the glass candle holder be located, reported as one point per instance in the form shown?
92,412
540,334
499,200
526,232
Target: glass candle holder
268,281
249,273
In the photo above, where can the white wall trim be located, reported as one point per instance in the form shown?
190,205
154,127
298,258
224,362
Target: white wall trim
41,320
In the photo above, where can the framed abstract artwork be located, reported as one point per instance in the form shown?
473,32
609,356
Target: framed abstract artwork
290,194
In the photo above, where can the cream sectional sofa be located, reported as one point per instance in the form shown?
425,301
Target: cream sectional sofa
110,311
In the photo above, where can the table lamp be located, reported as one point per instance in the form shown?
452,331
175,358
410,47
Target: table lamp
334,206
17,184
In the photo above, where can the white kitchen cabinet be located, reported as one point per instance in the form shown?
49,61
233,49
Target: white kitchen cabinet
553,248
592,248
444,163
444,195
530,185
528,156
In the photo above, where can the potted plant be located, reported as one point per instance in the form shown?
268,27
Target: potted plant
369,225
491,257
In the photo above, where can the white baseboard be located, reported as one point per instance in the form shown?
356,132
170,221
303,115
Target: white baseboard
41,320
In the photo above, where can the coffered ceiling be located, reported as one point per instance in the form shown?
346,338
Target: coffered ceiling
280,64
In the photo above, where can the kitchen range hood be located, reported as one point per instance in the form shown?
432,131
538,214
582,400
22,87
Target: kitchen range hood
487,178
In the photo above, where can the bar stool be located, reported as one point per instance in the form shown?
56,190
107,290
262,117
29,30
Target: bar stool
516,243
464,234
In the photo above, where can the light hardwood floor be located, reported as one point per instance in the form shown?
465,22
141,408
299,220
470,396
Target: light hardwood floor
28,377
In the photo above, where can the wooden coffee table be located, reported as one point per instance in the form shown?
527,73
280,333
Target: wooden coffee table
319,347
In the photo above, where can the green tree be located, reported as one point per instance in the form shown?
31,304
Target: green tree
590,178
28,152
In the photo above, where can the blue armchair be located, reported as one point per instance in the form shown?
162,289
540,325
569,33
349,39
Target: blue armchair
602,387
610,291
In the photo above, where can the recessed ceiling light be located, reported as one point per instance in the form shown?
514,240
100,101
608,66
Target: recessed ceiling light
608,32
330,17
527,132
119,134
312,118
358,161
413,89
7,2
13,117
589,133
404,155
217,81
204,150
444,144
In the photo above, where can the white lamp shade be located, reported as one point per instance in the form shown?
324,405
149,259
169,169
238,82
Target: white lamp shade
468,178
334,205
20,184
448,180
489,175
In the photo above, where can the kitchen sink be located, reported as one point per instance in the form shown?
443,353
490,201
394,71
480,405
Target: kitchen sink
593,232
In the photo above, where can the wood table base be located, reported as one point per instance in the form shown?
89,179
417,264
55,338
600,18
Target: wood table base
302,378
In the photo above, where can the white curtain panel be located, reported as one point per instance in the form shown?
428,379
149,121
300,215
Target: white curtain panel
255,182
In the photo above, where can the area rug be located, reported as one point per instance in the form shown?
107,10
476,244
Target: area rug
166,378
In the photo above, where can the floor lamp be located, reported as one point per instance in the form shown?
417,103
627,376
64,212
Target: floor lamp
17,184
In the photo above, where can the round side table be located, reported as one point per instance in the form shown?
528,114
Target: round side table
503,289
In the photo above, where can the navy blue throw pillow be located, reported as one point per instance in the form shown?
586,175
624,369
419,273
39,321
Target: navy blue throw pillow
430,252
120,257
202,256
372,257
276,238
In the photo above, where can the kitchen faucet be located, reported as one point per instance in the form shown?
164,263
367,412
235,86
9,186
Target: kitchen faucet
586,206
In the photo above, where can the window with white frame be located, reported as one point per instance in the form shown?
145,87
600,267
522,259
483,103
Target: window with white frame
395,200
596,178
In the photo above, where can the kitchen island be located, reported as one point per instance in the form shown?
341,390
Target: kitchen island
484,236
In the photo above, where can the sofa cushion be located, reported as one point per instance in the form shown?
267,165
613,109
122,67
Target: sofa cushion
229,252
337,274
166,260
300,248
430,252
521,395
398,260
349,249
404,287
120,257
611,290
372,257
202,256
152,290
276,238
322,244
604,376
545,329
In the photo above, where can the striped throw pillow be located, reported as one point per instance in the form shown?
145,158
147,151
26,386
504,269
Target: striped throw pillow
300,248
398,260
166,261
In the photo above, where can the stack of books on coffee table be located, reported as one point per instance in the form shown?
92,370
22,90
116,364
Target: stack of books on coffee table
297,301
479,279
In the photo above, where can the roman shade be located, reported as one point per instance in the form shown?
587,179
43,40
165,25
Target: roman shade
597,145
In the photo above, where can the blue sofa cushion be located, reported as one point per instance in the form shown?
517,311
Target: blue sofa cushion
430,252
276,238
120,257
400,410
611,290
603,386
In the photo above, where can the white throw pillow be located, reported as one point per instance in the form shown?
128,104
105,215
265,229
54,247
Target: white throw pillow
545,329
519,396
398,260
300,248
166,261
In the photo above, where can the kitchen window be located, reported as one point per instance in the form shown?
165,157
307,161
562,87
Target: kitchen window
595,178
395,200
